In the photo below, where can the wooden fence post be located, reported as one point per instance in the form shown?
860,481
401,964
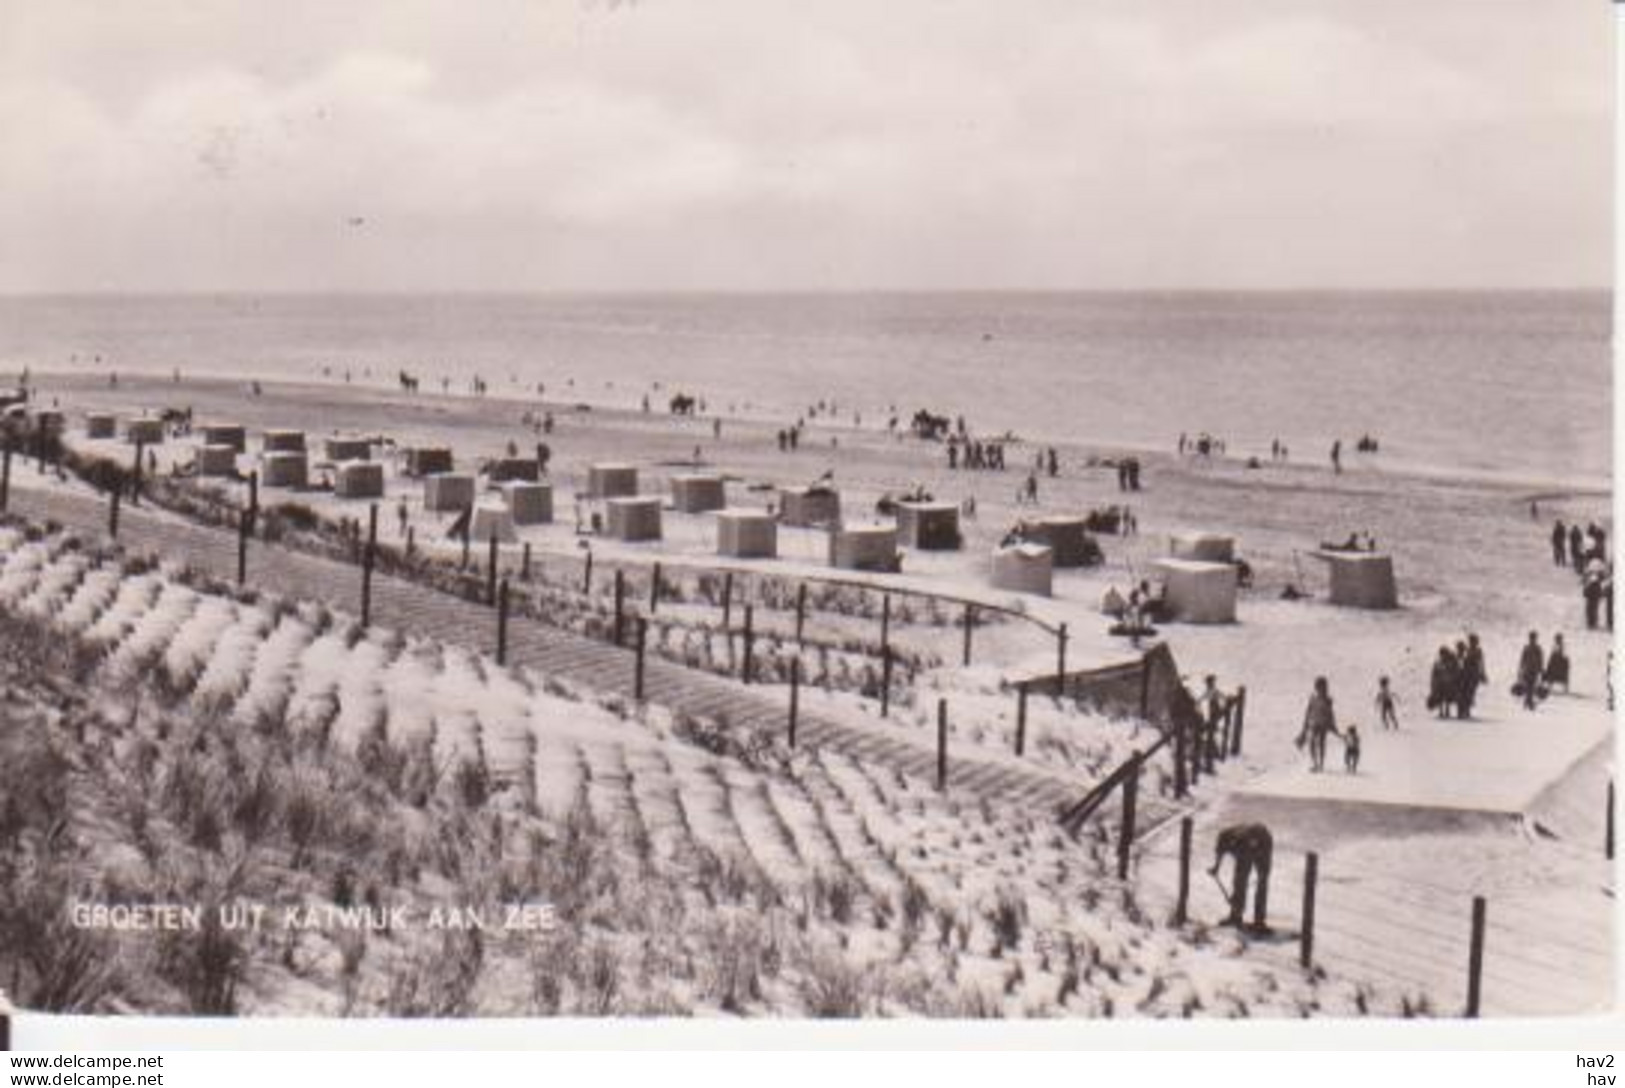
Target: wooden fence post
1475,958
1060,661
1021,720
750,642
942,744
366,565
801,615
1608,831
112,511
135,484
1209,742
524,563
654,590
245,526
1181,787
1182,904
253,498
1306,938
586,578
637,676
1239,716
620,607
411,540
885,681
1125,833
5,476
1145,687
885,623
491,572
468,536
727,598
970,625
795,697
502,623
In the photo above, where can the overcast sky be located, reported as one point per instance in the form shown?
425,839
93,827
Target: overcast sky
767,144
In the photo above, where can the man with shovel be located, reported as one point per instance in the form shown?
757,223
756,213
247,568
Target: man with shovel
1251,848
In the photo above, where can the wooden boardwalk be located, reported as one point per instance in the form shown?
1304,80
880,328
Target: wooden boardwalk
549,651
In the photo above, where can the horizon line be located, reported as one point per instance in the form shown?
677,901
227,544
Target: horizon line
833,292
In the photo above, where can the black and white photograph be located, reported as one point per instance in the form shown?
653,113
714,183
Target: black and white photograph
747,510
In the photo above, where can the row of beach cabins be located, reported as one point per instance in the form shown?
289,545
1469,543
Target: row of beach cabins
1199,576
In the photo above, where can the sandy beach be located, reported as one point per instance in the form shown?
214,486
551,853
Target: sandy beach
1468,554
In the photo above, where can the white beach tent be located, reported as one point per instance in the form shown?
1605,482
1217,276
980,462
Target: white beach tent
1024,568
530,503
634,517
1198,592
747,534
1361,579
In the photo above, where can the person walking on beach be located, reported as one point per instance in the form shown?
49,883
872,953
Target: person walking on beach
1032,488
1557,666
1387,705
1531,667
1337,457
1560,536
1351,750
1319,721
1577,547
1470,659
1443,683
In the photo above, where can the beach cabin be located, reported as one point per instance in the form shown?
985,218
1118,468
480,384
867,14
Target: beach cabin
530,503
283,442
145,431
101,425
428,460
503,469
1066,537
864,547
634,517
346,449
448,491
809,506
929,526
612,481
493,519
1361,579
284,468
359,480
1024,568
747,534
697,493
226,434
1197,592
216,459
1202,547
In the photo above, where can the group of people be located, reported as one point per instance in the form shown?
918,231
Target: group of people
1539,672
1128,474
972,453
1458,673
1320,724
1203,445
1585,551
1574,547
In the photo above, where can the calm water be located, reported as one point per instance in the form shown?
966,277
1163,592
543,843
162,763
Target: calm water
1515,384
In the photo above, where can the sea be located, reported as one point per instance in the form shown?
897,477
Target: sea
1503,385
